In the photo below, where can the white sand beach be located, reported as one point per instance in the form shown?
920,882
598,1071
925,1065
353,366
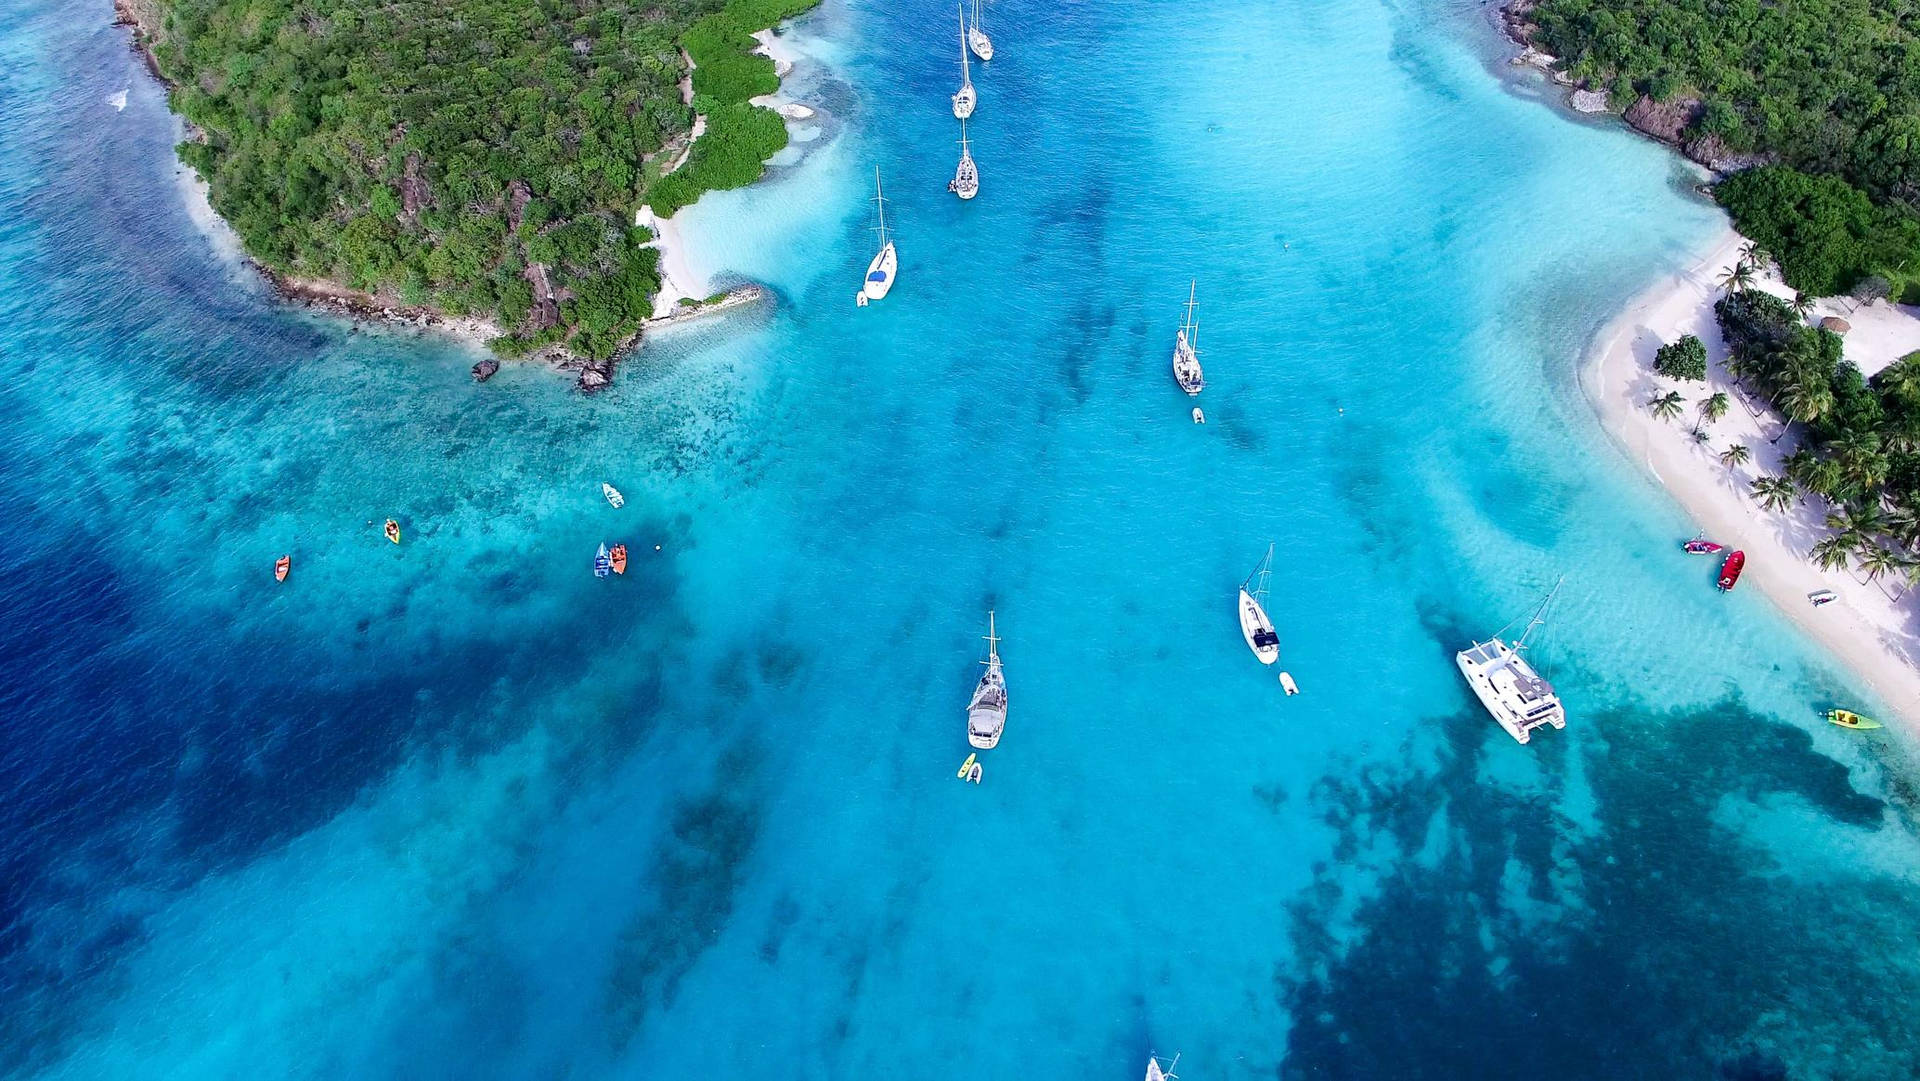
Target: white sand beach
1874,627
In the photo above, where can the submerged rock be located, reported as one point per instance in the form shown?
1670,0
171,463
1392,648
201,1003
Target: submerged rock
1590,101
484,370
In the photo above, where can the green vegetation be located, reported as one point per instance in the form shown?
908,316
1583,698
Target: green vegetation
477,156
1828,89
1862,446
1684,359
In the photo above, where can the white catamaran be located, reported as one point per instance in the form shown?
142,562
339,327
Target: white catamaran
977,39
964,101
966,178
1186,352
987,712
1507,685
1254,624
880,272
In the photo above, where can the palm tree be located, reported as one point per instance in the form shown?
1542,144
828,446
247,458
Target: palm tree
1802,305
1805,401
1775,493
1831,553
1735,455
1738,277
1667,406
1877,560
1713,407
1754,255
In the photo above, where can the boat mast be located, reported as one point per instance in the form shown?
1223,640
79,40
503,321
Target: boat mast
1193,331
993,643
1538,617
881,203
966,70
1263,572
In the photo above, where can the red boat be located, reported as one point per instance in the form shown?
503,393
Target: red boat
1699,547
1730,570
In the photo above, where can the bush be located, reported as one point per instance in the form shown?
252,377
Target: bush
1684,359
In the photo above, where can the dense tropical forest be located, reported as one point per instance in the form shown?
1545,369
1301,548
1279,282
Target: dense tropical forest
480,157
1825,91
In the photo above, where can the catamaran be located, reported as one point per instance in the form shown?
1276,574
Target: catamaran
964,101
880,272
977,39
1155,1072
1254,624
966,179
1507,685
1186,353
987,713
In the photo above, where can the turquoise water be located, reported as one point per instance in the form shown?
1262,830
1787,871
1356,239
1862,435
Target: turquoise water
459,809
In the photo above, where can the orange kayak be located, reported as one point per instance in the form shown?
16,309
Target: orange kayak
619,558
393,531
280,568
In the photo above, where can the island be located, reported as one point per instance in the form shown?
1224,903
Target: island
480,160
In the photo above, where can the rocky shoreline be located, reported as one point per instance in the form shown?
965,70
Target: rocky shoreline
1667,122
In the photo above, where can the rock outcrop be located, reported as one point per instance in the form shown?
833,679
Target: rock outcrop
485,370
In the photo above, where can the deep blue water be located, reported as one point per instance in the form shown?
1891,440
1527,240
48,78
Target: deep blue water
455,808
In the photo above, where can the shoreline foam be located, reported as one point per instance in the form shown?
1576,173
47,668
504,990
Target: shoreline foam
1874,629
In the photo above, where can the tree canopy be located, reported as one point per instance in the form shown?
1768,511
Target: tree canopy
477,156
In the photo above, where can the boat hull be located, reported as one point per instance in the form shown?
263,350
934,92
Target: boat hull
1847,718
1504,714
1254,624
980,43
963,103
1730,571
880,273
1186,367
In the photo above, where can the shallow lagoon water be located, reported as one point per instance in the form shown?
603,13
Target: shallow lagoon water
458,809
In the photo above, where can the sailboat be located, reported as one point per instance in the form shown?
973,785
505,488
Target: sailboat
880,272
1507,685
966,179
977,39
987,712
1254,624
1186,352
964,101
1155,1072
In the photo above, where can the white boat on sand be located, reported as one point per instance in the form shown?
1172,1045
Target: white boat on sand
987,712
1255,627
1186,352
880,272
966,99
977,39
1507,685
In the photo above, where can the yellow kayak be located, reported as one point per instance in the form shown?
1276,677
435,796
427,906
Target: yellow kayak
966,766
1847,718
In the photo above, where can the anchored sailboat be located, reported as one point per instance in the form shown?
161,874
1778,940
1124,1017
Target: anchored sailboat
987,712
880,272
1186,352
977,39
964,101
966,178
1155,1072
1513,693
1254,624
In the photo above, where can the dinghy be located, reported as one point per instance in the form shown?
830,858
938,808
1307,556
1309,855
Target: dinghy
967,766
618,557
280,568
393,531
1730,570
613,495
1847,718
601,563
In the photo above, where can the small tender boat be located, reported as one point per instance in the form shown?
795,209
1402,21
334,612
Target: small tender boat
1700,546
1198,416
613,495
974,773
977,39
393,531
1255,627
987,711
1288,685
1847,718
1156,1073
1186,352
964,101
280,568
1730,570
1821,597
602,563
967,766
880,272
618,557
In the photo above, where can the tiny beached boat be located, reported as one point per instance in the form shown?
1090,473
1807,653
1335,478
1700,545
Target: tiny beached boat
1847,718
1821,597
1730,570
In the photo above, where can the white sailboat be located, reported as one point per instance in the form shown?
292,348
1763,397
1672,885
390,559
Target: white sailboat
966,178
1507,685
964,101
1254,624
987,712
1156,1073
1186,352
880,272
977,39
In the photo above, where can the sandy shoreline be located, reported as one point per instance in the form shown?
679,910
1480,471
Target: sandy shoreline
1872,633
